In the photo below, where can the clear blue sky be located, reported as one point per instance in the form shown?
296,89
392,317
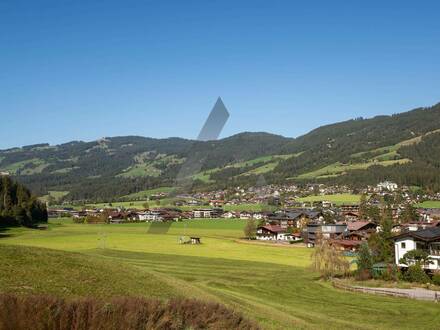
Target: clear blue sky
81,70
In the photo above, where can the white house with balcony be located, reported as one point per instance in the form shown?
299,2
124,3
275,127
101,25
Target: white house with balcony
425,239
387,185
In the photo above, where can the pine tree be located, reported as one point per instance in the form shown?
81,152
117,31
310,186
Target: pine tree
364,261
363,207
409,214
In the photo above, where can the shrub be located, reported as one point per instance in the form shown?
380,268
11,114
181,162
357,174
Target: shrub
415,273
363,274
364,262
436,278
45,312
392,273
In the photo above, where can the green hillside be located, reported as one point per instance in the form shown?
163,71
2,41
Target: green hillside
403,147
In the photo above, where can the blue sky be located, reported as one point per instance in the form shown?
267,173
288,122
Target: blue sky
81,70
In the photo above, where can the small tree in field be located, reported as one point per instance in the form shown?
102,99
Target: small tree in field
327,260
250,229
145,205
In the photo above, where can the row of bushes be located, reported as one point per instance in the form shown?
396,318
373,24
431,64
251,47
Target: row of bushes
45,312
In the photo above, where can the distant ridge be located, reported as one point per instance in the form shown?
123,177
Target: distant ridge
403,147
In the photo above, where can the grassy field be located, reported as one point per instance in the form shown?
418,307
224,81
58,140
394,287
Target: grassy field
56,195
38,166
268,164
149,192
337,198
249,207
169,202
339,168
429,204
272,285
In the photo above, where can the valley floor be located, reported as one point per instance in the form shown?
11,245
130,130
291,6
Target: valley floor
272,285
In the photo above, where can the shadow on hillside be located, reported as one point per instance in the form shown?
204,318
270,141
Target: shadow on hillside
4,232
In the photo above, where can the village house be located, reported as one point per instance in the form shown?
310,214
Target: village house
327,231
208,213
245,215
345,208
356,233
202,213
151,215
159,215
350,216
269,232
276,233
258,216
426,239
230,215
296,218
350,241
364,226
429,215
387,186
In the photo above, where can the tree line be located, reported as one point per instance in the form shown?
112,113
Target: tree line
18,206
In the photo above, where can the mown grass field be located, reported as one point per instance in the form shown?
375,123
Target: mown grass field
429,204
270,284
169,202
338,199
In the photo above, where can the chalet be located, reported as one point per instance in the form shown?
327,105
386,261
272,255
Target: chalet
285,219
151,215
259,216
349,208
414,226
289,237
350,216
387,186
326,231
202,213
229,215
216,202
245,215
426,239
349,241
116,215
159,215
208,213
269,232
295,218
326,204
365,226
346,245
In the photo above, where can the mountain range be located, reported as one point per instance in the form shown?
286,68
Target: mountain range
403,147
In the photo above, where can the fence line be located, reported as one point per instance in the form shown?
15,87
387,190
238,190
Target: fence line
337,284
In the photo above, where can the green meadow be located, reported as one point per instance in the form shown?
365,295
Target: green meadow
270,284
336,198
429,204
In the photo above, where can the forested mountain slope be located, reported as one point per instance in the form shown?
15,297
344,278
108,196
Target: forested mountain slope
403,147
